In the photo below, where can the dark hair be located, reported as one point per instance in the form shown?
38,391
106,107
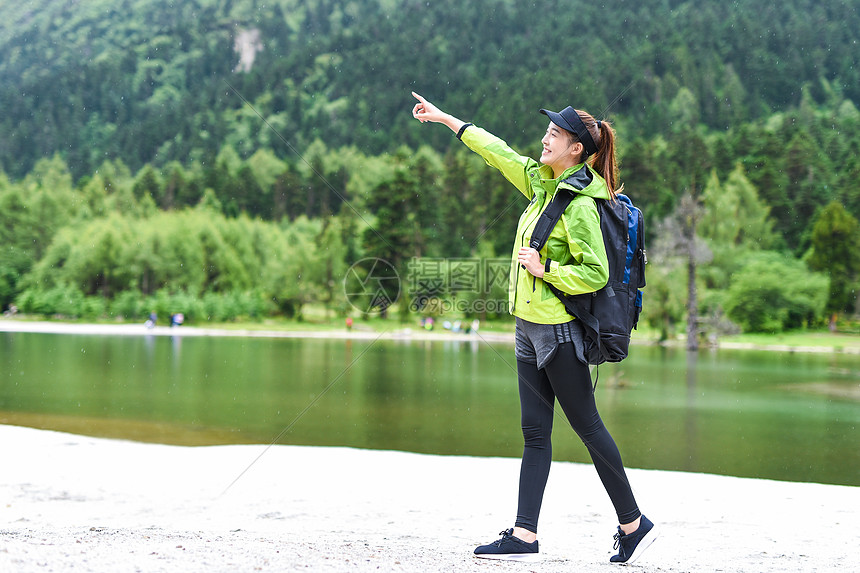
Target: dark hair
604,161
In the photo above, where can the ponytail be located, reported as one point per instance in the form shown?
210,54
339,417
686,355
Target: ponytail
604,161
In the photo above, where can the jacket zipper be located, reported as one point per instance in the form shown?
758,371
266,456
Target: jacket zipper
534,278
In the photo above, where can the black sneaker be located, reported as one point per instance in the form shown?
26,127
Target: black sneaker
631,546
510,548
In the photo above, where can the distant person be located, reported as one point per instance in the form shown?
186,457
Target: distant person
349,323
153,318
177,319
549,343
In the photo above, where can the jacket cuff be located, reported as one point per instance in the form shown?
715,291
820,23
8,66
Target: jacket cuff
462,129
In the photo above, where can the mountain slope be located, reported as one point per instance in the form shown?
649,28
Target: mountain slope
158,80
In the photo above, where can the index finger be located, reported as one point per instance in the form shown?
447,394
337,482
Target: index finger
419,98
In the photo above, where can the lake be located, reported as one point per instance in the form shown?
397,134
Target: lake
786,416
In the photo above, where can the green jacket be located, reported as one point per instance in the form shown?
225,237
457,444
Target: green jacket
577,256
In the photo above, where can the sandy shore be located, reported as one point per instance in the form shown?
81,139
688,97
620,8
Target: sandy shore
72,503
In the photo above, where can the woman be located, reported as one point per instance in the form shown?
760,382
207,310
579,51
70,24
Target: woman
549,344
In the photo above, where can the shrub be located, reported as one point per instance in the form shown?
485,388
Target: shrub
61,300
772,292
93,307
128,305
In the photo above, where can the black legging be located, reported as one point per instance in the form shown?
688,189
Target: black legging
568,380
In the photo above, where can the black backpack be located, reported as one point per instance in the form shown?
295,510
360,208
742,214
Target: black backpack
611,313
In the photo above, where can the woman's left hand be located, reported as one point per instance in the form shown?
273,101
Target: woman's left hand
530,259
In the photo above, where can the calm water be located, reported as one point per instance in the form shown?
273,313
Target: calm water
759,414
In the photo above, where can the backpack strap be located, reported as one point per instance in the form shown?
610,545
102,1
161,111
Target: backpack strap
544,226
563,196
580,306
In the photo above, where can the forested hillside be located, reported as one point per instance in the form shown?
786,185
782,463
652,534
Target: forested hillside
146,80
297,113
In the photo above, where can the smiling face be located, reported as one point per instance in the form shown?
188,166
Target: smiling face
560,151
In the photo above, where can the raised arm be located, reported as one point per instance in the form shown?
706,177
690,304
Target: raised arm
495,152
425,111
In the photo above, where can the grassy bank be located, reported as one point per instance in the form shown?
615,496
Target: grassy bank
811,340
837,341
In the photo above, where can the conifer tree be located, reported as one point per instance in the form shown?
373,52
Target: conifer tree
835,236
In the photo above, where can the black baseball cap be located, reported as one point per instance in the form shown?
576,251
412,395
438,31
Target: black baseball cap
568,119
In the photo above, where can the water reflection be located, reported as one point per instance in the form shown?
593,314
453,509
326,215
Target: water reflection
782,416
690,424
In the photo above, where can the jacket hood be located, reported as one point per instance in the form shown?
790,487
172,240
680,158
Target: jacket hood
597,189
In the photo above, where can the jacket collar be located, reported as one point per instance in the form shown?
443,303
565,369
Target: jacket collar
597,189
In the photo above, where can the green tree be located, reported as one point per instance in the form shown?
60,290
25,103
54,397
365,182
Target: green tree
734,215
663,306
147,184
331,265
395,204
835,236
807,190
464,203
18,236
209,202
288,198
95,194
296,265
32,212
691,154
677,243
772,292
174,193
267,170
